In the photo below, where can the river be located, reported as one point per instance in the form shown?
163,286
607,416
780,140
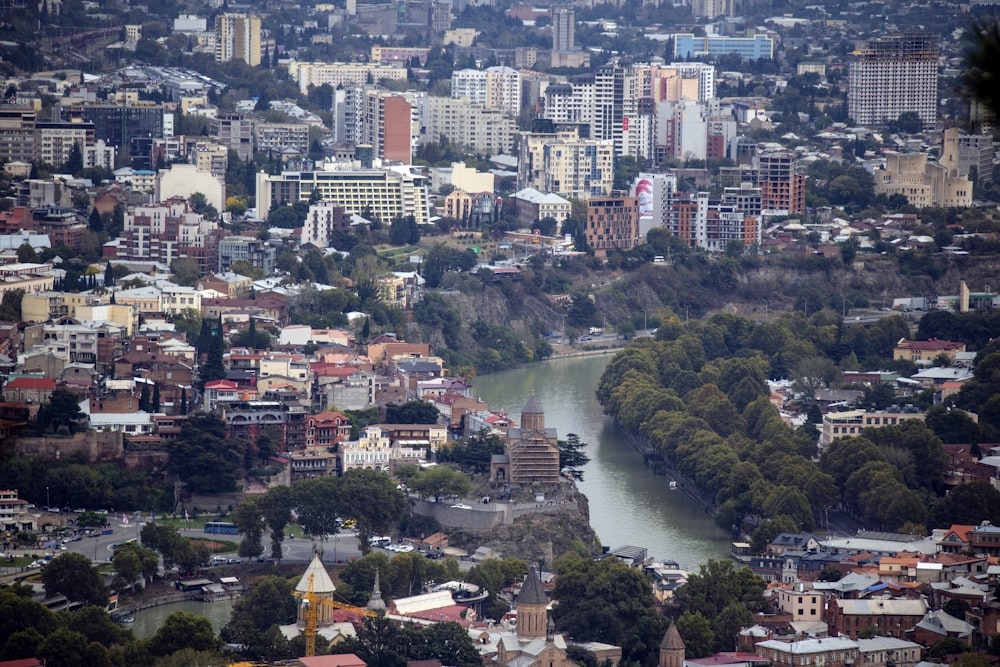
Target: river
628,503
149,620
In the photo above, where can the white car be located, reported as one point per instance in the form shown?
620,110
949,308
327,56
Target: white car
461,506
403,548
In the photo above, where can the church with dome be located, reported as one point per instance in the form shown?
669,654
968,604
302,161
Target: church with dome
531,454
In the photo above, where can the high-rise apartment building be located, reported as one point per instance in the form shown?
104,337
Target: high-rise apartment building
495,88
563,28
323,220
566,165
238,37
894,75
485,131
782,187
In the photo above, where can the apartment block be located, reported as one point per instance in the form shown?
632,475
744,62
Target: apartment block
235,132
485,131
563,29
323,220
782,187
249,249
238,37
612,224
382,193
166,231
894,75
566,165
279,137
346,75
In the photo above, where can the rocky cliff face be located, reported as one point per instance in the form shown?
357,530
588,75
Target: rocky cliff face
537,537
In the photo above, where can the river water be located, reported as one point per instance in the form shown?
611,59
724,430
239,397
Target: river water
148,621
628,503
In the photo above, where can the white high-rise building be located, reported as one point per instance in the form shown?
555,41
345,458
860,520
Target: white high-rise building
470,84
496,88
569,102
894,75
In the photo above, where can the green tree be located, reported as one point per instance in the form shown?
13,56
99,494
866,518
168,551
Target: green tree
10,305
109,274
572,457
411,412
697,634
372,500
95,222
214,367
72,574
63,412
441,482
607,601
132,560
184,630
267,602
25,253
185,271
204,458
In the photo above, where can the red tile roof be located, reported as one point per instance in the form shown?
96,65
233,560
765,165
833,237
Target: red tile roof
31,383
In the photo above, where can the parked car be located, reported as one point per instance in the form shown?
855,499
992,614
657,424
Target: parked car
404,548
461,506
233,561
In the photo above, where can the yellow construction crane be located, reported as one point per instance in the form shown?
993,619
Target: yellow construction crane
312,604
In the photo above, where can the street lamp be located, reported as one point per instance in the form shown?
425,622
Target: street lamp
48,503
844,297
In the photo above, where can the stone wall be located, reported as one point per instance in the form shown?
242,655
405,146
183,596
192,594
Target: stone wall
94,446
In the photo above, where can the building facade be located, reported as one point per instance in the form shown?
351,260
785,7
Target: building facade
894,75
238,37
612,224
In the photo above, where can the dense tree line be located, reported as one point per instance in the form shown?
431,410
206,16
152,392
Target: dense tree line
88,637
698,394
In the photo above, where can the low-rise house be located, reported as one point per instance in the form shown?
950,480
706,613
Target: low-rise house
802,601
890,617
937,625
985,539
312,462
33,390
923,352
14,515
886,651
792,542
225,391
326,429
852,422
376,449
830,651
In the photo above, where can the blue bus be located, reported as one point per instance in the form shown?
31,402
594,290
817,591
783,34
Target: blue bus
221,528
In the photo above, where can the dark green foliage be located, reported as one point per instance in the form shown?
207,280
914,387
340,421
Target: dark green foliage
73,575
607,601
473,453
204,458
571,456
412,412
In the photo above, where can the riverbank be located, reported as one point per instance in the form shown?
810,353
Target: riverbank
660,466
